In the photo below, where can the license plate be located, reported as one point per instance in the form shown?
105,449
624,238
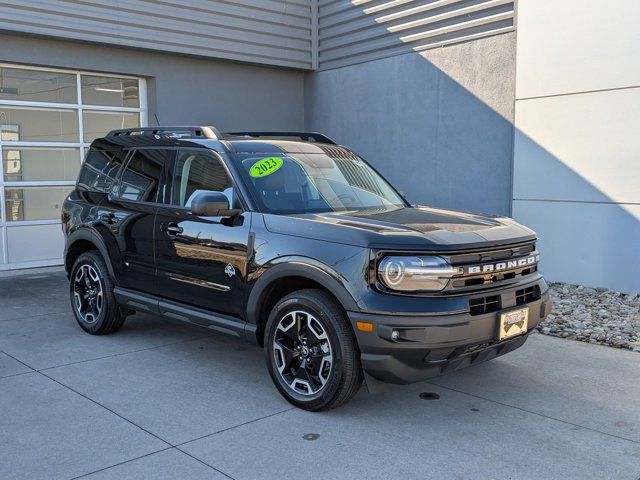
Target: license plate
513,323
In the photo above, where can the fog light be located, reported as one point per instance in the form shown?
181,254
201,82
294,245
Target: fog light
395,334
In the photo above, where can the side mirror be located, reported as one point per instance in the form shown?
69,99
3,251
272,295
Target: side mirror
212,204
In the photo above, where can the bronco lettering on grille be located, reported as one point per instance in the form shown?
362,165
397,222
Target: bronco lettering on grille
501,266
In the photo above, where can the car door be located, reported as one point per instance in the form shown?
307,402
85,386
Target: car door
201,261
130,213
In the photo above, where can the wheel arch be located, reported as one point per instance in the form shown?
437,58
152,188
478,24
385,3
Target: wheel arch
284,278
82,241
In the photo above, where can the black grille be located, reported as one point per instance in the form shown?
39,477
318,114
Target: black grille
505,253
474,281
492,278
482,305
527,295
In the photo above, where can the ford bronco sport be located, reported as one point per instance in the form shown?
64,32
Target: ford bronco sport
297,244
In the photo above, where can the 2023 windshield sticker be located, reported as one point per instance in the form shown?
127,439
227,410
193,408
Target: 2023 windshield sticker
265,166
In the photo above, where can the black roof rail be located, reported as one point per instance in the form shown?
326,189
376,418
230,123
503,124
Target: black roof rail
306,136
181,131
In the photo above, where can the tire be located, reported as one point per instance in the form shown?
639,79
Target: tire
92,299
311,351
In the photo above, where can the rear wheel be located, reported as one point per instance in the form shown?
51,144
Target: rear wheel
312,354
92,299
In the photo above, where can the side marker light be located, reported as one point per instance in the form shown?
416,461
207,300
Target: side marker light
364,326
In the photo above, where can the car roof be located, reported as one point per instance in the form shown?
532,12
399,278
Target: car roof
209,137
275,146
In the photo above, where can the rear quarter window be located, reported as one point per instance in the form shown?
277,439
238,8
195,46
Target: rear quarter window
99,170
142,176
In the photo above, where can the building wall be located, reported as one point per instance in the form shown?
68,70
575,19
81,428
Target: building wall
438,123
289,33
355,31
576,168
181,89
273,32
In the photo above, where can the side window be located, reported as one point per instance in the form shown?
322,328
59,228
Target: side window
142,177
199,171
99,170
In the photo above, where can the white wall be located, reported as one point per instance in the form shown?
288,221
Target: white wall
577,142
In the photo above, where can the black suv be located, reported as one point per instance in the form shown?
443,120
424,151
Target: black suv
295,243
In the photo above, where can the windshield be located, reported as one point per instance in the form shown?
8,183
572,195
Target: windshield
315,182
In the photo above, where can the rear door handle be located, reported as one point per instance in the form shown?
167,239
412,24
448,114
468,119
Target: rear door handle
171,228
108,218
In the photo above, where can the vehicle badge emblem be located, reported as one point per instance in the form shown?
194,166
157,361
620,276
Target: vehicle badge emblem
229,270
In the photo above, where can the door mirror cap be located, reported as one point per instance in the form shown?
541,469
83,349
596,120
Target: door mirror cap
212,204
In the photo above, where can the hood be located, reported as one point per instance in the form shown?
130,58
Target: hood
411,228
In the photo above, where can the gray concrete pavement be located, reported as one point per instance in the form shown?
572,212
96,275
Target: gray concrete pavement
157,400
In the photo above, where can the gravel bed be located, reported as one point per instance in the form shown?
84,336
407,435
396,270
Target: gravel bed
594,315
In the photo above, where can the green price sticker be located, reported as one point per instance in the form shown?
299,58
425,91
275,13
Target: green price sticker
265,167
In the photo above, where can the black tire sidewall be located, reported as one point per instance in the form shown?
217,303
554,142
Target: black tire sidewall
92,259
330,389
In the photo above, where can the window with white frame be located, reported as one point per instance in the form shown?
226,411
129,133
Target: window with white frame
48,117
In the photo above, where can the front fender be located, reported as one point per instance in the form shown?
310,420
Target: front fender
305,267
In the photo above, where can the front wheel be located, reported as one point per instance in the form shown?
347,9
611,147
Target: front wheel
312,354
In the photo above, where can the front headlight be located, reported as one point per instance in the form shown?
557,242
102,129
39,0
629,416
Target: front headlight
411,274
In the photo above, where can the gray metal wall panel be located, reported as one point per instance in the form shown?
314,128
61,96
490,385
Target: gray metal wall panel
274,32
438,124
356,31
181,90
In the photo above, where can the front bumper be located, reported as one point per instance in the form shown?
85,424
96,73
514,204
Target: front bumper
431,344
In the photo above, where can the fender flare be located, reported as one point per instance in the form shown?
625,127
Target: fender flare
95,239
307,268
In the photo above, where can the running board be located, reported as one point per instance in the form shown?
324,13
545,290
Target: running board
143,302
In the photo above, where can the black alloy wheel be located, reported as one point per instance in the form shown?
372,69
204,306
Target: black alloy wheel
92,300
302,352
88,293
311,351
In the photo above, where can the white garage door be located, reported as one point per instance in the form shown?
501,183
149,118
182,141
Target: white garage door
47,119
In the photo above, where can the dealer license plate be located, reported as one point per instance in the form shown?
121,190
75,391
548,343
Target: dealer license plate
513,323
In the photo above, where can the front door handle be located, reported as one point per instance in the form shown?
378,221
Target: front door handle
171,228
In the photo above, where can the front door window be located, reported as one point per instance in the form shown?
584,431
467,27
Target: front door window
197,172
